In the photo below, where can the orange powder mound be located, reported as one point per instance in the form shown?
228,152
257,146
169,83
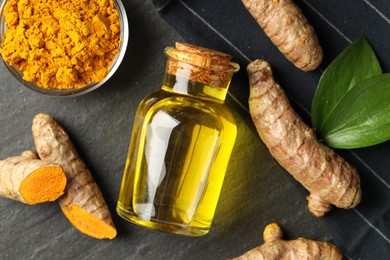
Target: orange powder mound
88,223
62,44
46,183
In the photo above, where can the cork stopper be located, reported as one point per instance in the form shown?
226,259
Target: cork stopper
200,64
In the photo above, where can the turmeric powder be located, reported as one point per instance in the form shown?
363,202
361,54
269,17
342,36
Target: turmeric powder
61,44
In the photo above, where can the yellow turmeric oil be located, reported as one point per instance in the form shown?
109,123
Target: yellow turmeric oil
181,143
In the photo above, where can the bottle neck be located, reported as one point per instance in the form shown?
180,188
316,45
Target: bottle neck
198,72
186,86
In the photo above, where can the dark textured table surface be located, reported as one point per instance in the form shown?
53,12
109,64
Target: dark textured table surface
100,123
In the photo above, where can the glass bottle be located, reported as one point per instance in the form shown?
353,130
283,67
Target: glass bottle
181,143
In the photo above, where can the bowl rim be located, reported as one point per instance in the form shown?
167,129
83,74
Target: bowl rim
124,38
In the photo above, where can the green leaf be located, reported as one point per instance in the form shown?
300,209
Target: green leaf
356,63
362,117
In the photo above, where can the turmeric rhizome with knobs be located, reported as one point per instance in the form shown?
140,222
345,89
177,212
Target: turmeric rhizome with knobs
181,143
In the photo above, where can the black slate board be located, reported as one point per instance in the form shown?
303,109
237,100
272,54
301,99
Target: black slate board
363,232
256,189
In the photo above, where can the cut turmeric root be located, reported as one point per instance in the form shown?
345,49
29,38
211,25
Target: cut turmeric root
329,178
301,248
83,203
27,179
284,23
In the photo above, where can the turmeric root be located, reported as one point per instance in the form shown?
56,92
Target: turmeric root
329,178
27,179
83,203
301,248
284,23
